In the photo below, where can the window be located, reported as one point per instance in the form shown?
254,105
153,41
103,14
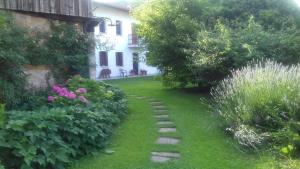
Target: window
119,27
103,58
119,58
102,26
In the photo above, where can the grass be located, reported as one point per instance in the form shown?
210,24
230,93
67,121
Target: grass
203,144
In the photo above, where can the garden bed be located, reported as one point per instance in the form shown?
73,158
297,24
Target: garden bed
77,120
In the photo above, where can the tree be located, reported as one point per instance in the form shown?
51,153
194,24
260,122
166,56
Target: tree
201,41
167,28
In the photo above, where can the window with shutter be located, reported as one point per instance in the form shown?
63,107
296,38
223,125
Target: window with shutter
102,26
119,58
103,58
119,27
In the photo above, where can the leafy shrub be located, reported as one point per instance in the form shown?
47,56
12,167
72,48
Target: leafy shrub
12,77
69,128
2,115
113,99
260,102
51,138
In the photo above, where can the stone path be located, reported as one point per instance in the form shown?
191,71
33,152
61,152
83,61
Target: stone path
165,125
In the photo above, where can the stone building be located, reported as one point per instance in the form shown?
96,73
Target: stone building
37,14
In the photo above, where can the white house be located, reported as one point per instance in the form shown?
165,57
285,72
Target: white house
120,56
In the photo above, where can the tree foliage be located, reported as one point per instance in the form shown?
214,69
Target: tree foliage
12,46
201,41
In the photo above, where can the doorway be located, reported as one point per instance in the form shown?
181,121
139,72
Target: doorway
135,58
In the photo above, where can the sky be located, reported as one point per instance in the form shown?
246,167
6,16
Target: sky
298,2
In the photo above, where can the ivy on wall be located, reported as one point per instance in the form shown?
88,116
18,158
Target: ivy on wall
64,49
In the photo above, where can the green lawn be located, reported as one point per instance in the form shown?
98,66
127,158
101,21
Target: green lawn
203,144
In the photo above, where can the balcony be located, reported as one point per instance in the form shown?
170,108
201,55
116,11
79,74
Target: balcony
133,41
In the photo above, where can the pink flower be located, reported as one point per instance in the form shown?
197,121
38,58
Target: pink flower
51,98
83,99
71,95
56,88
81,90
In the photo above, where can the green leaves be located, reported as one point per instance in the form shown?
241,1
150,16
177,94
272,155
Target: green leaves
2,114
52,137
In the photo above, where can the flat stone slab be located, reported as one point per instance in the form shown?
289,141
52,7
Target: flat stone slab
159,159
140,97
166,130
167,140
160,111
162,116
160,107
156,103
164,123
166,154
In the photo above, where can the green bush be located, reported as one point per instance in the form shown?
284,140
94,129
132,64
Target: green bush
2,115
51,138
260,103
12,77
112,99
67,129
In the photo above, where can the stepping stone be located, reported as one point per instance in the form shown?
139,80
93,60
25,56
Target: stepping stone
164,123
166,154
140,97
162,116
160,111
167,140
156,103
162,157
160,107
166,130
159,159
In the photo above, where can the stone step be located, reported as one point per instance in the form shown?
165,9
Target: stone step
160,111
159,159
162,157
166,130
160,107
167,140
162,116
156,103
165,123
166,154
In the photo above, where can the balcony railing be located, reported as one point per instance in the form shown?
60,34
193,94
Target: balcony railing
133,40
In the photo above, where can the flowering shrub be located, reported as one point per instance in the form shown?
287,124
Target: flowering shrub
62,96
261,103
111,98
79,119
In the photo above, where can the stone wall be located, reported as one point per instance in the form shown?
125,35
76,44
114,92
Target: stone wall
38,77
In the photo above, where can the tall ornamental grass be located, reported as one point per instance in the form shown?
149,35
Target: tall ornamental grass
260,103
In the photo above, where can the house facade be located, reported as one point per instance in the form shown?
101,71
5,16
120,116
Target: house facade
119,53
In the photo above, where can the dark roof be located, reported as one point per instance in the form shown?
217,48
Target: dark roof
75,8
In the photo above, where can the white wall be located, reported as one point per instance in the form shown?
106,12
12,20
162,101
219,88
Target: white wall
119,42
